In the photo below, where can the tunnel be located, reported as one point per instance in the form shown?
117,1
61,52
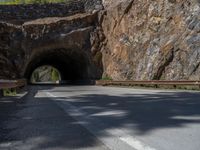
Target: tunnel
73,65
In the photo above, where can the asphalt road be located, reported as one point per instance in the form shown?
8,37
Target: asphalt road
100,118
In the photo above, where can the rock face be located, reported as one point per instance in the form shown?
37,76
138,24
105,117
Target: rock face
9,50
45,74
147,39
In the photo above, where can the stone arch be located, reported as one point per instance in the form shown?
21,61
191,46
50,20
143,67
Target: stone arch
73,64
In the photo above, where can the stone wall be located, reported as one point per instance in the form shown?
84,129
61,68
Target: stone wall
35,11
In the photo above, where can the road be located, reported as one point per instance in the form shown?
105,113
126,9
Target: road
100,118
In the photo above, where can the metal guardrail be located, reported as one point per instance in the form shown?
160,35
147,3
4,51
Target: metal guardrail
66,82
9,87
149,82
8,84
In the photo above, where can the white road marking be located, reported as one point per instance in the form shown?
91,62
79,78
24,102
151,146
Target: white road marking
135,143
115,139
108,113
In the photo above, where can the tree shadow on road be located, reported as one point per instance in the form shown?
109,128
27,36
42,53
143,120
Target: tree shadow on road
143,113
36,122
39,123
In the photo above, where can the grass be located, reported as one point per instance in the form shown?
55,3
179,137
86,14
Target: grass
106,78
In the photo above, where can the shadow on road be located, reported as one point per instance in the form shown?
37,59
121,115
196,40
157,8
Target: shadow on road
39,119
144,112
38,123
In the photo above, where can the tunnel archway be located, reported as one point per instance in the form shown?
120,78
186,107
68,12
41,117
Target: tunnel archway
73,65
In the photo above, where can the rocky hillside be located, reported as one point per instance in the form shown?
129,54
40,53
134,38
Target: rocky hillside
45,74
126,40
151,39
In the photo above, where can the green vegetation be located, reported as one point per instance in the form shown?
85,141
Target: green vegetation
55,76
45,74
9,92
16,2
106,78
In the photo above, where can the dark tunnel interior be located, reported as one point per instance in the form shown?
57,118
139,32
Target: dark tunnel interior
72,65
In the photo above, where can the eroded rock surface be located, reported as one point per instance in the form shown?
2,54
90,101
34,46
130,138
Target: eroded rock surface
9,50
148,39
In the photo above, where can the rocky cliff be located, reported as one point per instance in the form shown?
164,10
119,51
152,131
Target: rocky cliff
151,39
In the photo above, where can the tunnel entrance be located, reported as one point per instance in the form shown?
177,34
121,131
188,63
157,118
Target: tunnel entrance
71,65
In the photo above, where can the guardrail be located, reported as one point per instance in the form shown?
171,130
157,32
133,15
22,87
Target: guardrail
4,84
10,86
149,82
65,82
